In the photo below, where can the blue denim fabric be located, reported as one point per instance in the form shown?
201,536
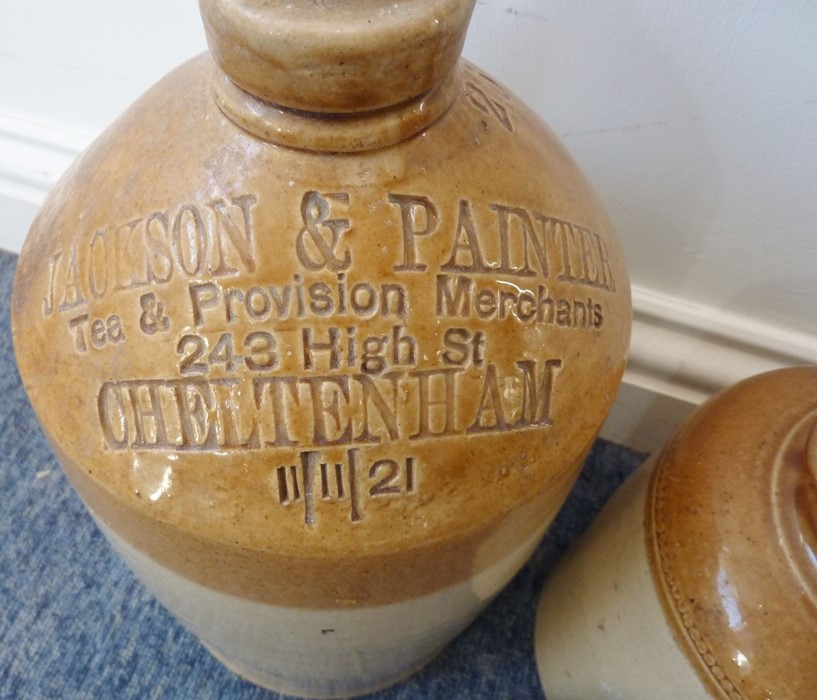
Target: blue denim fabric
74,623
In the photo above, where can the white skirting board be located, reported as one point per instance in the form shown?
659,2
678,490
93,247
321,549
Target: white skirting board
680,353
32,156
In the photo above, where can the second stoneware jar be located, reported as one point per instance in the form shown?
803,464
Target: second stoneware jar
320,330
699,578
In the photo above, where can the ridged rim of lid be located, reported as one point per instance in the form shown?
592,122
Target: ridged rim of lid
336,56
727,519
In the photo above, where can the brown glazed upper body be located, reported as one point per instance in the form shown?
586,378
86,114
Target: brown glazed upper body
327,359
732,536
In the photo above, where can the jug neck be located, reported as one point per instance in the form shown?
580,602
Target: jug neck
333,132
335,75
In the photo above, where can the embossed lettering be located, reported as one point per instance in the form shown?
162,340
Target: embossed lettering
410,208
464,346
98,267
466,243
202,414
210,302
373,396
198,417
490,402
488,105
276,403
518,243
127,238
189,240
585,258
72,293
96,333
112,418
458,297
316,479
159,258
48,300
454,295
314,251
335,348
537,396
529,239
326,394
149,250
439,383
240,237
148,418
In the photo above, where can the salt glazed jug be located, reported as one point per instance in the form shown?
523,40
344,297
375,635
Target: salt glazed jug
699,578
320,330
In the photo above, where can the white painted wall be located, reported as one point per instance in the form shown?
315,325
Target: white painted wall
695,120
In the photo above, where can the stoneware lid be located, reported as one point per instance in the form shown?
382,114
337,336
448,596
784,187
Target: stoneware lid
336,56
732,536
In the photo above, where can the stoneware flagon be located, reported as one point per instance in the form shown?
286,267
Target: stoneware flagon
320,330
699,578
